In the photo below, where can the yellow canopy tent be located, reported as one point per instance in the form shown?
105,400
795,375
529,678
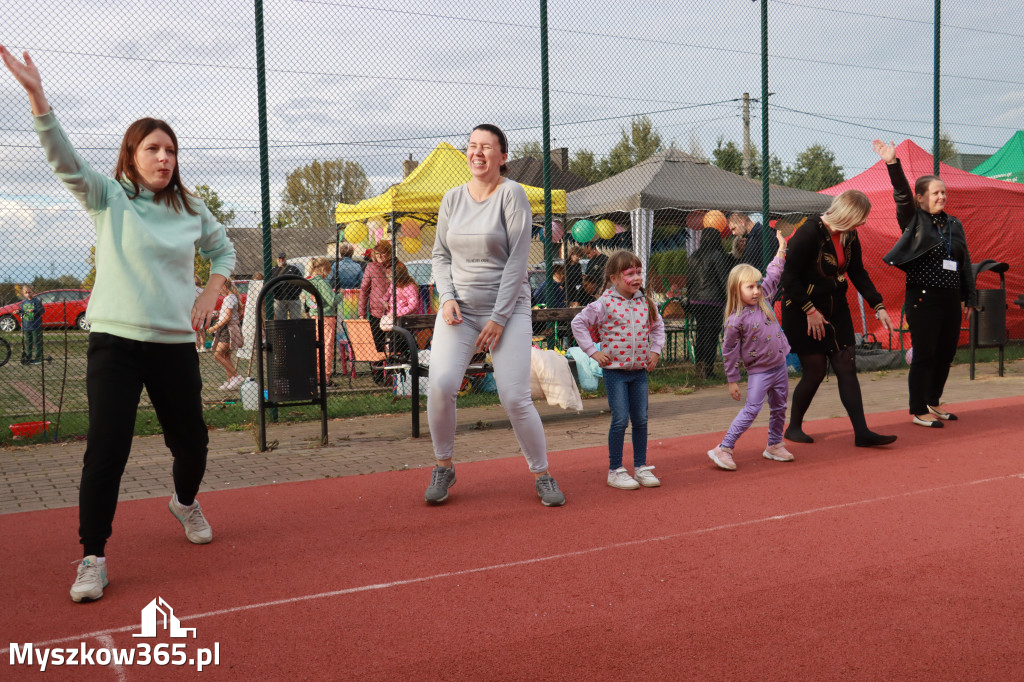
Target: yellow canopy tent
419,195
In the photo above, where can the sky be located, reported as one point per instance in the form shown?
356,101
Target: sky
375,81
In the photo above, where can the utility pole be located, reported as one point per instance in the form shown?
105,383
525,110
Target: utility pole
746,134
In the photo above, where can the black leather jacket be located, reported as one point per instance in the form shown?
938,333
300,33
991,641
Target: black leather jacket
708,274
920,236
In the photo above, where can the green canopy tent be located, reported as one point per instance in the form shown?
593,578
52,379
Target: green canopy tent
1007,163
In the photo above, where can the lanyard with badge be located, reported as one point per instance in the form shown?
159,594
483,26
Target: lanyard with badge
947,263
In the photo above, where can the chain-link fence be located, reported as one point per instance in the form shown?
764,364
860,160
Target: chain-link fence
655,131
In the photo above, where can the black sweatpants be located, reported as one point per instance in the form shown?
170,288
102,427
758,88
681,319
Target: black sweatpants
117,370
934,316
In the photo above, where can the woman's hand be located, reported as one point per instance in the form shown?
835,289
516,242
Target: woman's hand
816,325
451,313
734,390
884,318
203,309
489,336
652,361
602,359
886,151
28,76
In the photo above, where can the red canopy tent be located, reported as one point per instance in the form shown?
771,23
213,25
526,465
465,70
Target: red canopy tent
991,211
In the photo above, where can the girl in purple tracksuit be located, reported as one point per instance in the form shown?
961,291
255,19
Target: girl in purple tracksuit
754,339
632,336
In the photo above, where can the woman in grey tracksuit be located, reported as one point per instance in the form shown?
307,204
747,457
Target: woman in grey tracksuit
480,270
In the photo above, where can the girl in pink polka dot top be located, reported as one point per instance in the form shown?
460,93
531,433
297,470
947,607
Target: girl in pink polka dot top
632,335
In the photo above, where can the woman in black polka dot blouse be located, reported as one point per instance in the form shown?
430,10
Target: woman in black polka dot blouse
940,284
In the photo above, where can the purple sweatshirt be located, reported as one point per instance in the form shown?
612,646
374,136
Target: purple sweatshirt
751,340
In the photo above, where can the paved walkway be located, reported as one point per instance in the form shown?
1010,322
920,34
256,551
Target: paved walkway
46,476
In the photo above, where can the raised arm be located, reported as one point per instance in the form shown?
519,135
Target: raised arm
901,191
27,74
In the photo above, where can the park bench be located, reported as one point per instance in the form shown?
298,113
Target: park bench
415,333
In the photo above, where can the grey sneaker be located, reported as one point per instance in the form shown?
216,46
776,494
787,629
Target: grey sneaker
92,578
197,530
441,479
548,492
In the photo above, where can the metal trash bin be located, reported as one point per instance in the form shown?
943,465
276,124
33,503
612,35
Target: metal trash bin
988,318
991,327
291,360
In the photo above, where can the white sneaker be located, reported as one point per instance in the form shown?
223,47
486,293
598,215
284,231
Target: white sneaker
224,386
92,578
621,479
197,530
236,382
645,478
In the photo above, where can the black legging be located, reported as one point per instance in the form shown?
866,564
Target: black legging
815,365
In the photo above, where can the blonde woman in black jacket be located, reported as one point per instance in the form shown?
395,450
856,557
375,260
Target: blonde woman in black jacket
940,284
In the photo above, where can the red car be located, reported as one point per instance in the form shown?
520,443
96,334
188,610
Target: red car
61,308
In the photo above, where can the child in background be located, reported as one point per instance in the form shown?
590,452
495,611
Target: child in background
320,269
200,333
754,339
632,335
31,310
228,334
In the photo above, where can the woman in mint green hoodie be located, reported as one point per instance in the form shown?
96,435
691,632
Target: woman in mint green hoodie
143,314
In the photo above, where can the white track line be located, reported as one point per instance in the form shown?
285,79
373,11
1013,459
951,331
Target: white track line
108,642
536,560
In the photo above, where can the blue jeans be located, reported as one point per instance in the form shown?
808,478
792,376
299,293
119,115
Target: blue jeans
627,398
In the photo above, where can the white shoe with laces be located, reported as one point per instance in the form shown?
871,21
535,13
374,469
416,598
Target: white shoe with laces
645,478
236,382
197,530
620,478
91,579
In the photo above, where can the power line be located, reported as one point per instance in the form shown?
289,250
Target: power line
891,18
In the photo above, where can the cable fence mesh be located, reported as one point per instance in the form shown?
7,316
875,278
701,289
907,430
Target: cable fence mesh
656,146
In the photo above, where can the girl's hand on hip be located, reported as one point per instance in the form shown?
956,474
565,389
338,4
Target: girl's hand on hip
203,309
652,361
489,336
816,325
602,359
451,313
734,390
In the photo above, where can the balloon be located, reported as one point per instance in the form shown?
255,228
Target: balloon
356,233
410,228
695,219
557,231
411,244
715,219
605,229
619,229
376,228
583,231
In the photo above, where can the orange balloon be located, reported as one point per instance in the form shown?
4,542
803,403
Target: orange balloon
715,219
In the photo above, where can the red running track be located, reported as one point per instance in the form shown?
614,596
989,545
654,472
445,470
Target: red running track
890,563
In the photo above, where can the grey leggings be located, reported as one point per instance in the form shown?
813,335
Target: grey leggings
452,349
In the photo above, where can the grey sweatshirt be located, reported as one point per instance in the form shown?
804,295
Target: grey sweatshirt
481,251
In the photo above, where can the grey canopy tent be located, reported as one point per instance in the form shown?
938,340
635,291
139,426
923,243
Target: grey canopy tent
674,180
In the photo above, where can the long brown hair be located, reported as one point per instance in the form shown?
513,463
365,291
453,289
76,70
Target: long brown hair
382,249
174,194
402,276
623,260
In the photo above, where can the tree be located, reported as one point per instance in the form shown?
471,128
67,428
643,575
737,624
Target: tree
815,169
311,192
728,156
584,164
531,149
216,206
947,150
637,144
